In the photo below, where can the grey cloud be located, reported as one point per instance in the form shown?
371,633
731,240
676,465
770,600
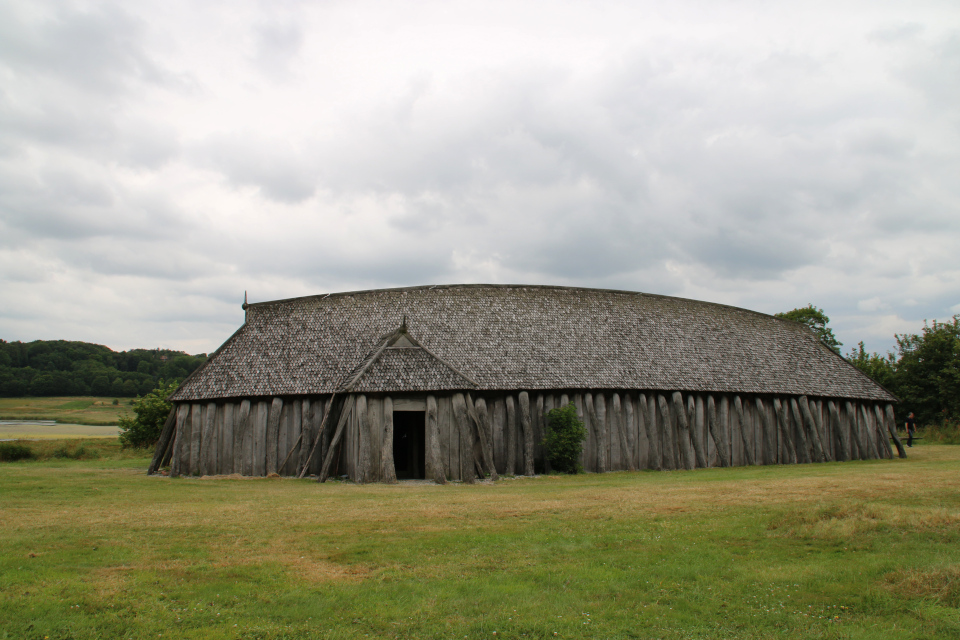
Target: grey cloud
280,170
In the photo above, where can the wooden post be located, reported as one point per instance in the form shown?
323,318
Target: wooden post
648,420
433,426
868,433
633,434
345,412
273,434
260,438
747,444
180,441
467,473
669,433
803,447
307,433
166,439
388,468
239,432
524,402
892,430
726,430
486,441
716,432
363,428
837,428
856,435
819,455
539,427
603,429
769,435
547,408
511,437
882,438
683,433
783,424
318,434
626,456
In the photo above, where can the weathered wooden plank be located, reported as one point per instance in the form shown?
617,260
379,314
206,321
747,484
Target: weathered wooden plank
578,405
196,435
630,424
787,437
273,434
813,431
467,466
858,448
486,436
388,468
769,434
307,433
510,436
690,458
843,454
647,414
537,420
259,437
437,470
363,420
803,445
165,441
317,420
498,420
241,426
181,443
726,429
892,430
590,422
669,451
882,438
869,433
225,463
603,432
449,436
548,405
744,435
523,399
345,411
625,457
716,433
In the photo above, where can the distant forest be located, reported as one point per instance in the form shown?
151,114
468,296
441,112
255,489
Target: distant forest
62,368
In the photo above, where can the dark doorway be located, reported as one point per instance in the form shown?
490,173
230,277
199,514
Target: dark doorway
408,444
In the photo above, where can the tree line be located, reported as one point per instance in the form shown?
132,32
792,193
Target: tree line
924,372
65,368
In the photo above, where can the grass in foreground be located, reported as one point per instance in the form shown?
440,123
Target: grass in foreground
73,410
96,549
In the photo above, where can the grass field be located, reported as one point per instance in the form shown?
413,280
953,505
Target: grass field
85,410
96,549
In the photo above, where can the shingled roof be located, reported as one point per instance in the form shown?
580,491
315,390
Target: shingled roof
514,337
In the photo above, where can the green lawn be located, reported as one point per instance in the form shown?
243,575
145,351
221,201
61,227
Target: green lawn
96,549
73,410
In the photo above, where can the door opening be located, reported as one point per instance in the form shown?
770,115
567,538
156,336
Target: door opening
409,444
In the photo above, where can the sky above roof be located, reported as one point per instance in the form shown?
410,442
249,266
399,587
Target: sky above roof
159,159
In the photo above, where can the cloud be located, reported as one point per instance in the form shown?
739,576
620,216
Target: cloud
155,162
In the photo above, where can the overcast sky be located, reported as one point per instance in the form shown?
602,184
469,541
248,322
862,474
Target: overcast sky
157,159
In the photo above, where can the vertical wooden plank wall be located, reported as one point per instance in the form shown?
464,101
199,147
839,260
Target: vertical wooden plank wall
625,430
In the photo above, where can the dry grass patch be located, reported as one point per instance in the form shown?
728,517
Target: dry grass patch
940,584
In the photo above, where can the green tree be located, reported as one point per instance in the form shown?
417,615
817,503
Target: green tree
928,372
882,369
564,439
150,412
817,320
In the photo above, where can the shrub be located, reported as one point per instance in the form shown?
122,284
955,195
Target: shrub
12,451
564,439
151,412
947,432
80,453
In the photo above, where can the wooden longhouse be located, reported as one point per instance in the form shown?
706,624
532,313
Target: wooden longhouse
453,383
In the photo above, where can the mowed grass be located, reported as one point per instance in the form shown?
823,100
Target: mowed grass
83,410
97,549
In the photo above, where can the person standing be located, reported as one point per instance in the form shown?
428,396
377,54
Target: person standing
911,428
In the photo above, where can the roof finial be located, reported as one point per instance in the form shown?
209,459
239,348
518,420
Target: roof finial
244,305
